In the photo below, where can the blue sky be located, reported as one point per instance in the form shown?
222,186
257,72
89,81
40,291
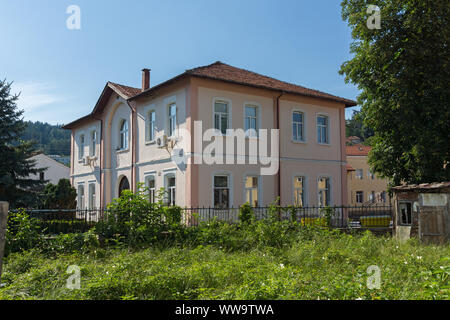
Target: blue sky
62,72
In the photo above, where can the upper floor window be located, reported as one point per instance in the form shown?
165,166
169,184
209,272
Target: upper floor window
299,191
251,120
221,116
93,143
324,191
151,126
41,176
370,174
383,196
123,135
251,190
359,173
298,126
322,129
221,192
81,147
172,119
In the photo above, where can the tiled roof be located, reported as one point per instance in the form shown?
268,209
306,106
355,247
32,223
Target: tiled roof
224,72
357,150
349,168
423,186
127,91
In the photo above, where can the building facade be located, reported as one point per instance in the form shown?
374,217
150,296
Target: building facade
364,187
54,169
133,135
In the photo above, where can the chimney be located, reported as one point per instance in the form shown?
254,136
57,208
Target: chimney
145,79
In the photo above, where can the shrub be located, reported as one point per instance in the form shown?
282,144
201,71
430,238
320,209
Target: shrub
22,232
246,214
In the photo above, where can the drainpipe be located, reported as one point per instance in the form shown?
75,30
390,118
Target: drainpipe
101,162
133,144
279,146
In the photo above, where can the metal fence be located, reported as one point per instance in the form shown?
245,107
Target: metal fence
353,217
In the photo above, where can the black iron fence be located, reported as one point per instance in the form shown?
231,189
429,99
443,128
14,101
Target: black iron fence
354,217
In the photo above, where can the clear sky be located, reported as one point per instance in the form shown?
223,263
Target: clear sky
62,72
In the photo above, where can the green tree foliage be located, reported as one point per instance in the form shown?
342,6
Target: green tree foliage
15,186
59,196
51,139
356,127
403,73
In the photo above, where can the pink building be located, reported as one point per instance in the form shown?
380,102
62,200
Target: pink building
133,134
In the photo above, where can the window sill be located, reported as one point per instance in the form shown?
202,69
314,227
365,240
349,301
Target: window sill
147,143
299,141
118,151
324,144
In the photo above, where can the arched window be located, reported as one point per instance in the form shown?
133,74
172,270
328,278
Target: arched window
123,185
124,135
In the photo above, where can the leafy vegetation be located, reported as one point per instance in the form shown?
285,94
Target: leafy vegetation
402,71
59,196
50,139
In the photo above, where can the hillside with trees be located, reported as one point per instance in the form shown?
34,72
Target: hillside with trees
50,139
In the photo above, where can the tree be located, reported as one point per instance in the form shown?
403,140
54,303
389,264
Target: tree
403,73
356,127
59,196
15,185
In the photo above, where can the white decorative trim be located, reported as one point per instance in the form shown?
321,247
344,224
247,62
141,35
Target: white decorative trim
230,185
230,114
305,131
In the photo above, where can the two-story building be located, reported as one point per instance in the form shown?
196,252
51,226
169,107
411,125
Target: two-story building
133,134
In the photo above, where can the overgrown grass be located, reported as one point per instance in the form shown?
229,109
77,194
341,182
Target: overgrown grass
309,264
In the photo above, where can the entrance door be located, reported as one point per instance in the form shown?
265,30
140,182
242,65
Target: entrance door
123,185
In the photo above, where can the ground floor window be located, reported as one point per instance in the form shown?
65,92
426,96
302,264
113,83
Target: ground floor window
123,185
299,191
91,196
221,191
359,196
170,189
80,203
324,191
405,213
251,190
150,182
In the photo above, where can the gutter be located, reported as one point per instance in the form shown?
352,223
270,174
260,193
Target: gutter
133,144
101,162
279,145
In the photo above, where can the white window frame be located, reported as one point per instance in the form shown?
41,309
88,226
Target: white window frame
228,187
81,144
171,192
303,124
173,121
229,115
124,133
151,191
91,196
249,132
93,146
258,188
359,176
304,191
80,197
329,190
151,126
323,115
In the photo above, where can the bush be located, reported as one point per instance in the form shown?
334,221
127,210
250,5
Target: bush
246,214
22,232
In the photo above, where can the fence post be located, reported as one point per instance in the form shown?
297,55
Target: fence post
4,207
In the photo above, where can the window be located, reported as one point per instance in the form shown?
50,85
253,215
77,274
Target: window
93,143
91,196
251,190
324,191
405,213
359,173
299,191
81,146
383,196
371,197
322,129
170,189
172,119
370,174
359,196
221,192
123,135
41,176
151,126
80,203
251,120
298,126
221,113
151,188
123,185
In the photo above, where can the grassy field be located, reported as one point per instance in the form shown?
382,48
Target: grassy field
316,264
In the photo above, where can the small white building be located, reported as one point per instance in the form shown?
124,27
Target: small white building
54,172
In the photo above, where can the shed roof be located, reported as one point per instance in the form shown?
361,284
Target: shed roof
434,186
